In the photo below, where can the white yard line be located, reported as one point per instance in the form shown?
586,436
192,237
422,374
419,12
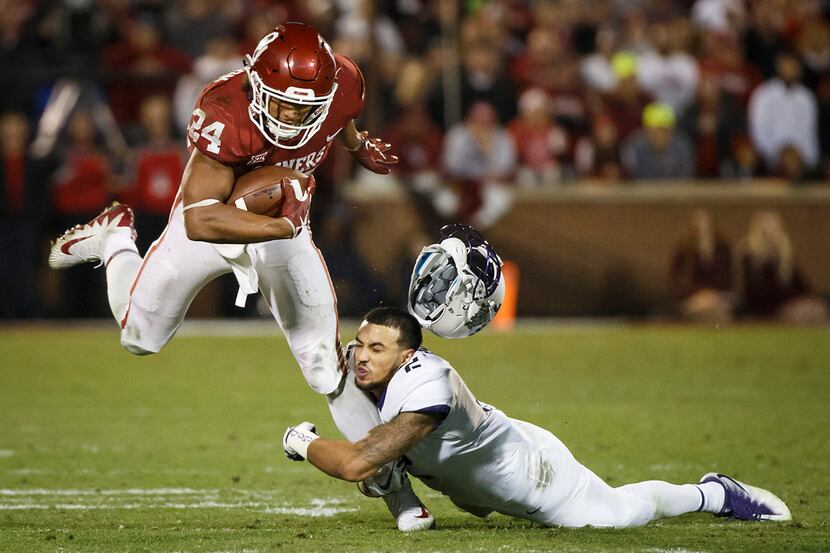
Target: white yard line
129,491
166,498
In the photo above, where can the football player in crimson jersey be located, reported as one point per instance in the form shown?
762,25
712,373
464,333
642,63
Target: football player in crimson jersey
286,106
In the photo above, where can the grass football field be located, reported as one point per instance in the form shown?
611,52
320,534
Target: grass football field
180,452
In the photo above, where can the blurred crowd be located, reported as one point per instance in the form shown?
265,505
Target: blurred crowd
477,97
759,278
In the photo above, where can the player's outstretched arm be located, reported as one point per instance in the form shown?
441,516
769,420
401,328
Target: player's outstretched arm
358,461
372,153
209,183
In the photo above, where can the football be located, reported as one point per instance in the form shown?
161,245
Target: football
261,190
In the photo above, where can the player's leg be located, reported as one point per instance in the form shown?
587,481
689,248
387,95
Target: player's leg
578,497
295,283
169,277
108,239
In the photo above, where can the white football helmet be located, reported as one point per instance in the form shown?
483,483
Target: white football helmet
456,286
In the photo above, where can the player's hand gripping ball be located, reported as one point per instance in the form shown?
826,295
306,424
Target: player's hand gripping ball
275,192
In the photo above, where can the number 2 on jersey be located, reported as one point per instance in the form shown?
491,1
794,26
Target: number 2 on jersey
212,133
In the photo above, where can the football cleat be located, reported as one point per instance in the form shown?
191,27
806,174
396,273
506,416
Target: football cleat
408,511
85,243
744,502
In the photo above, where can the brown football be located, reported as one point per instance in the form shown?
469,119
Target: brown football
260,191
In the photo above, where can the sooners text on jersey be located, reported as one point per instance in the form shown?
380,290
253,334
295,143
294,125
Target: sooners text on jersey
222,130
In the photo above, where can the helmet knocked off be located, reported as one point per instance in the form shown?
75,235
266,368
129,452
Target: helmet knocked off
292,68
456,286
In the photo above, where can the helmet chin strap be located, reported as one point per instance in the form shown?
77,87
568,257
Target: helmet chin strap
458,251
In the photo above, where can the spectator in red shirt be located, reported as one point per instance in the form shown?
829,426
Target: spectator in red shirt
158,163
722,58
774,286
81,189
626,102
712,125
141,65
598,156
701,273
540,142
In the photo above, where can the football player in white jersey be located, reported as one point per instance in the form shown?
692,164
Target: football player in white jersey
484,460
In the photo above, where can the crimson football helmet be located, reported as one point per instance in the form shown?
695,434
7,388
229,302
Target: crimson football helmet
293,65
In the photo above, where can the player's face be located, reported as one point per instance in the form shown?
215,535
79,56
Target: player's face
285,112
377,356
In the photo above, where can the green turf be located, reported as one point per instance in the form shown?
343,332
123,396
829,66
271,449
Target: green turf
104,451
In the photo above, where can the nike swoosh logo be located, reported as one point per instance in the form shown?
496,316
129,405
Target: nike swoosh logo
388,482
67,245
331,137
534,511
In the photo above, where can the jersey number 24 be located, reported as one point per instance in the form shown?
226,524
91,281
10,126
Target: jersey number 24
212,133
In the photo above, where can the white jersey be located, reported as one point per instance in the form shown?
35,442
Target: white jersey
477,455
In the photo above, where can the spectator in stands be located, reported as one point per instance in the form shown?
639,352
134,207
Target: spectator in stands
480,156
813,46
158,163
659,150
598,156
418,144
791,165
773,285
668,73
550,63
597,69
482,79
141,65
783,112
191,24
721,17
81,189
540,142
743,163
722,58
626,102
764,36
712,126
22,207
701,273
221,56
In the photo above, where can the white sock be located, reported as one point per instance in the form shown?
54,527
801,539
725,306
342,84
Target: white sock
122,261
353,412
713,497
669,500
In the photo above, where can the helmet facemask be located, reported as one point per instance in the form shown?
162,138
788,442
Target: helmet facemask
280,133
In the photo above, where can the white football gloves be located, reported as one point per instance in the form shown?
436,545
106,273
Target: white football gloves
296,439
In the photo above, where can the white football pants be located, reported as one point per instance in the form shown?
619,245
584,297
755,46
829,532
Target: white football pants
578,497
150,301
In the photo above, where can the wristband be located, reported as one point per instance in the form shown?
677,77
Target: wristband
299,439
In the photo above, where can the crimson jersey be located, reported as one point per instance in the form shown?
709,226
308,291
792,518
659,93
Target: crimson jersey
222,130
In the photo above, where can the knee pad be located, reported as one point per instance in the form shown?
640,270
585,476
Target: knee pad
320,365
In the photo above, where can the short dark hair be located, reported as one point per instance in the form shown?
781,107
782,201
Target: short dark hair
410,337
